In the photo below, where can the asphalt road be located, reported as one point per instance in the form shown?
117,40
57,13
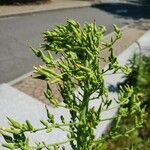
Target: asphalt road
18,33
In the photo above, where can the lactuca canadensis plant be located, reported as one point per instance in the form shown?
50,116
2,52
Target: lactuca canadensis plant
78,68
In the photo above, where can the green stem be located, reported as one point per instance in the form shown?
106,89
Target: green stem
40,129
82,141
67,107
57,126
50,145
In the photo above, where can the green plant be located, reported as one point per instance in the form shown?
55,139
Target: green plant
78,68
139,79
139,76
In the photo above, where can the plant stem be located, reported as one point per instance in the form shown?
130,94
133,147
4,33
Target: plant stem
58,125
50,145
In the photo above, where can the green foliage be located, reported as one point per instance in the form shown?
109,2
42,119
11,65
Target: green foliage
78,68
139,79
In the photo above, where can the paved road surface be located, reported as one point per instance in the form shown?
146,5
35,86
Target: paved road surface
19,32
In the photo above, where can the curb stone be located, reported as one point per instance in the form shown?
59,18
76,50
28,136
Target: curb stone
144,43
54,6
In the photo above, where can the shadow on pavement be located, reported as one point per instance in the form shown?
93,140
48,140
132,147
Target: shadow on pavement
142,2
127,10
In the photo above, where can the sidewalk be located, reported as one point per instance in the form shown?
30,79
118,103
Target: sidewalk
53,5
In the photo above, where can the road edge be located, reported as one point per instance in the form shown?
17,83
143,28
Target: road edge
59,7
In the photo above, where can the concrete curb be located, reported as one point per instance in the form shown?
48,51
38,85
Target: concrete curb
55,8
144,43
20,78
141,45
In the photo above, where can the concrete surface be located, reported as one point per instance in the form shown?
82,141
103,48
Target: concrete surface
144,43
21,107
9,10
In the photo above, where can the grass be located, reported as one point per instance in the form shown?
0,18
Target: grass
139,78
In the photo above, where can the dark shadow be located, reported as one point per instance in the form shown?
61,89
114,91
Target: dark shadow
113,88
142,2
127,10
